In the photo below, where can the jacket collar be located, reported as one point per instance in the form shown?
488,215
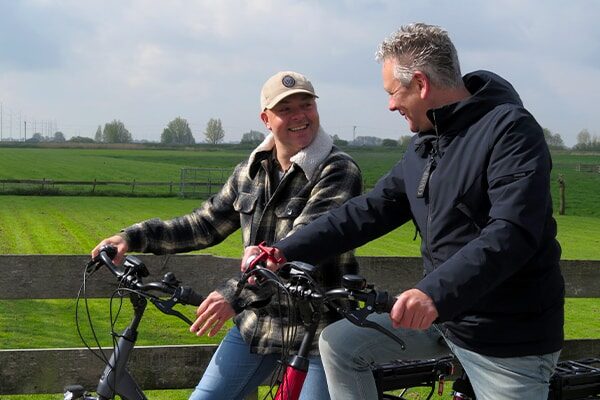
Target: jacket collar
487,89
308,159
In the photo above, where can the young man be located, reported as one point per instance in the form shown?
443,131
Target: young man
475,180
294,176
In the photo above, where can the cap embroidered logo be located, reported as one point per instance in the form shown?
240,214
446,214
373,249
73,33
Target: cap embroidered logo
288,81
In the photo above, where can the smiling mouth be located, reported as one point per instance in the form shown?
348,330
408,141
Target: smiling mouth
298,128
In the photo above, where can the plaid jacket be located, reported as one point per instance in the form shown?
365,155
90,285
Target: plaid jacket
266,209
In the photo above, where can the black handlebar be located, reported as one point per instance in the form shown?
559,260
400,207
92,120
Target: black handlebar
131,276
296,277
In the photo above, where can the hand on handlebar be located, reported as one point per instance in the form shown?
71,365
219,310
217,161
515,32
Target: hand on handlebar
212,314
413,310
273,258
115,241
274,261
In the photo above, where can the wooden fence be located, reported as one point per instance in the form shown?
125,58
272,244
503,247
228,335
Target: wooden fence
193,182
588,168
24,371
131,188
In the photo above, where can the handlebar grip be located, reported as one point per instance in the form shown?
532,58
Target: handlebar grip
105,256
385,302
190,296
111,251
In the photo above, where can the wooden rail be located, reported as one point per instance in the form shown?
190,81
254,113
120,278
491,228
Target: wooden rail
25,371
588,168
99,188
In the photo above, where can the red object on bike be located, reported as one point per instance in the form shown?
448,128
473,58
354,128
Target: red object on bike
291,384
266,254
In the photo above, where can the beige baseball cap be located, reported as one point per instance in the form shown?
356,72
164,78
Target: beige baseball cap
282,85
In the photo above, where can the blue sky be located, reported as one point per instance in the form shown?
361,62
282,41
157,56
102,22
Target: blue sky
73,65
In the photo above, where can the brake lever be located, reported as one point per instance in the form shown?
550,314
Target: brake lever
359,316
374,325
166,307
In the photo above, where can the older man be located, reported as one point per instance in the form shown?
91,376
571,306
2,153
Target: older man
475,180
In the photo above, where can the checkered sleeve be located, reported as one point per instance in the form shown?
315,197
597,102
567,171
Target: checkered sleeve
204,227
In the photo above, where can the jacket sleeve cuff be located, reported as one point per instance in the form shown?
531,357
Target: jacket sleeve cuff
227,289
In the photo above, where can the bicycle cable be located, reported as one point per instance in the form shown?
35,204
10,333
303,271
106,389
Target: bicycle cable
83,289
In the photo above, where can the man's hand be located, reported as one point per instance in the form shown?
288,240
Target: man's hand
212,314
273,262
414,310
115,241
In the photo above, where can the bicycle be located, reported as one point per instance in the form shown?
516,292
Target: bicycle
116,379
295,280
573,380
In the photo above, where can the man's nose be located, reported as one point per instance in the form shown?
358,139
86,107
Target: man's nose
392,104
298,114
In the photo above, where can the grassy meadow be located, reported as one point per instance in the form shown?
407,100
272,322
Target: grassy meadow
74,224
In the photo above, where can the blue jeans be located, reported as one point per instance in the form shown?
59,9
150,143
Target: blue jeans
348,352
234,372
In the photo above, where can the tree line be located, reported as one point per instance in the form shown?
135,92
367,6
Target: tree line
178,132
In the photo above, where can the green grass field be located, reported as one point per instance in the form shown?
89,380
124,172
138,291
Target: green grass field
165,166
73,225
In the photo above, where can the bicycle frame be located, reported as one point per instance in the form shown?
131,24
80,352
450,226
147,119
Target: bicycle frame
116,379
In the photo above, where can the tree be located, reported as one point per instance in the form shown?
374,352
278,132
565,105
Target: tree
58,137
253,137
554,141
339,142
404,141
81,139
177,132
389,143
214,132
584,138
35,138
98,136
115,132
587,142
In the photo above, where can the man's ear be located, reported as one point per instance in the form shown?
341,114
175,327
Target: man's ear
423,83
265,119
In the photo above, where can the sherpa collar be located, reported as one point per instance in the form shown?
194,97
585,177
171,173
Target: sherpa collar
308,159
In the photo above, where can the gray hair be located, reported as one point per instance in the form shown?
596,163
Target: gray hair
425,48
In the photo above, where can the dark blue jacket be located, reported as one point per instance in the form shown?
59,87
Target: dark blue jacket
484,214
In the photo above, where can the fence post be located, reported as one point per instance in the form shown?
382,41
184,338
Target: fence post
561,194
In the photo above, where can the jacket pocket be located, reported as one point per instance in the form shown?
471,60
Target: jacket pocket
292,208
245,203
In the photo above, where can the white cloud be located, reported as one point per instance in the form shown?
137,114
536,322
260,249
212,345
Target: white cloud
145,62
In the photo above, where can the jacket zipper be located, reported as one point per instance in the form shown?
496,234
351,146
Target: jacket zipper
434,149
